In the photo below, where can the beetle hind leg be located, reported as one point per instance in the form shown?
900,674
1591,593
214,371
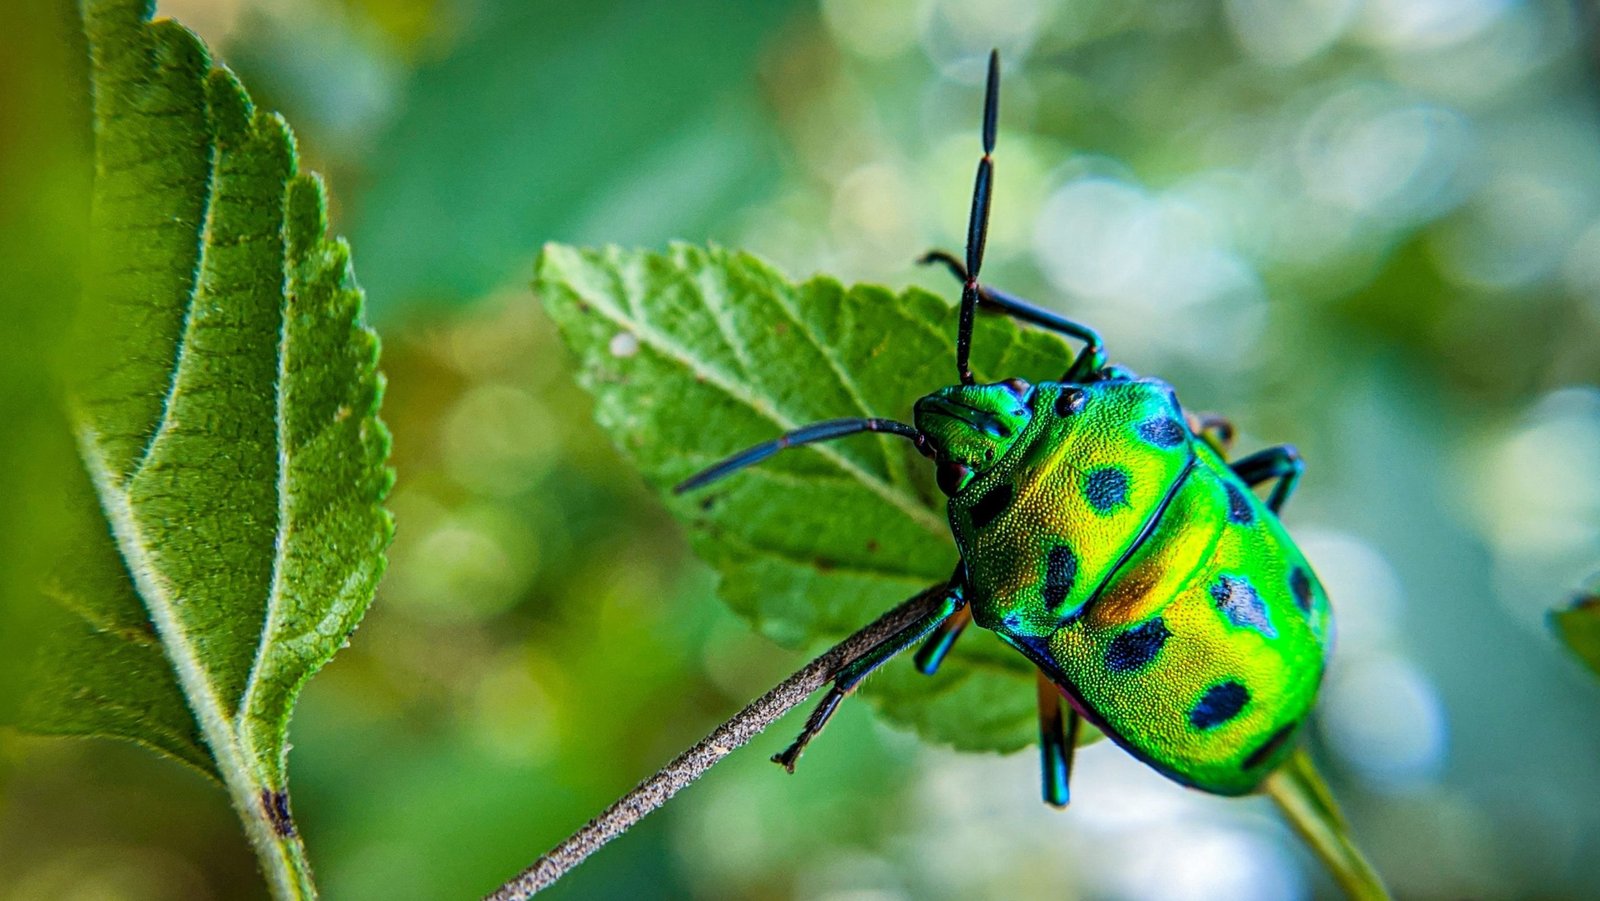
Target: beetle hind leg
1058,740
1282,463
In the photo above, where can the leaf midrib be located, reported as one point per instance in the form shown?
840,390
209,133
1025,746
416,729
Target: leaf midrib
158,598
905,502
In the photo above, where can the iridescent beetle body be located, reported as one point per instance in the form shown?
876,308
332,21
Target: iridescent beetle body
1119,553
1103,535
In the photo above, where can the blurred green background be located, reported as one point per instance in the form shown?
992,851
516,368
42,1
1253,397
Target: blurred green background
1367,227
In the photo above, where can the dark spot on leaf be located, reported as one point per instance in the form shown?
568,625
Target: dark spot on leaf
709,502
1220,703
872,545
1239,602
992,504
276,806
1300,587
1268,747
1136,647
1060,571
823,564
1162,431
1105,488
1239,511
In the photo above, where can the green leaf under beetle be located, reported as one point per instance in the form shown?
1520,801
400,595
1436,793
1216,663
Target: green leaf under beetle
697,353
223,397
1578,625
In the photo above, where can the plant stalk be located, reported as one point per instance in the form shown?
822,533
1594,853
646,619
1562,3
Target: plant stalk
693,763
1299,791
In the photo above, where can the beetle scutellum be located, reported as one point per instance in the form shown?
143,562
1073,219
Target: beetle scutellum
1103,534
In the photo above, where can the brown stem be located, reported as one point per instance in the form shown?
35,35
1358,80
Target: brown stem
693,763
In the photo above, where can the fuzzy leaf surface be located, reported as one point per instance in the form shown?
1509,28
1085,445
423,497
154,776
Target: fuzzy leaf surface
697,353
229,531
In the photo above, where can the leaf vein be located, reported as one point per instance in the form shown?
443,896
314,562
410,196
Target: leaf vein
905,502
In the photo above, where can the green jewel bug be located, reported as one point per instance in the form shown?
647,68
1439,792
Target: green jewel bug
1103,534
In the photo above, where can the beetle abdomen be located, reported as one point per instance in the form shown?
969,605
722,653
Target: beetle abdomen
1202,653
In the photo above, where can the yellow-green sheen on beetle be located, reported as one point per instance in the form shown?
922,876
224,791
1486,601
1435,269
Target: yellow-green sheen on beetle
1103,534
1119,553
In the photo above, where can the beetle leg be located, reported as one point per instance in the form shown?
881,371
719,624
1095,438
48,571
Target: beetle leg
1215,430
1089,361
938,645
1058,741
849,678
1282,463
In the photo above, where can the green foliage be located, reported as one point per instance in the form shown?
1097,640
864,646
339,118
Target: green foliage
223,396
1579,625
647,150
44,188
697,353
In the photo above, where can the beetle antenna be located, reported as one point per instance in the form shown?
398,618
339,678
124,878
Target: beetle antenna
978,220
819,431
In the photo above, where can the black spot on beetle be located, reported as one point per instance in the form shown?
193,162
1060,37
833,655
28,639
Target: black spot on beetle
276,806
1060,571
992,504
1105,488
1241,604
1268,747
1239,511
1162,431
1300,587
1137,647
1220,703
1070,401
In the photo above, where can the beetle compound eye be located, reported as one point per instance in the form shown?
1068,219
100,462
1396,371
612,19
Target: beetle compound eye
950,475
1070,401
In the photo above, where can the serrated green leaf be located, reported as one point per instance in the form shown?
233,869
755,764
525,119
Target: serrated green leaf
1578,625
697,353
224,401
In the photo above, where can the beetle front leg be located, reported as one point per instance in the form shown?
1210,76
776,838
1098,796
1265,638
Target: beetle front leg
1282,463
1090,360
938,645
849,678
1058,741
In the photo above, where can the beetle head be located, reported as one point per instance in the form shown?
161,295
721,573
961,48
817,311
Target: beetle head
969,427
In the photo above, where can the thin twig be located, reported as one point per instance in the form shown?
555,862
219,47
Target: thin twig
693,763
